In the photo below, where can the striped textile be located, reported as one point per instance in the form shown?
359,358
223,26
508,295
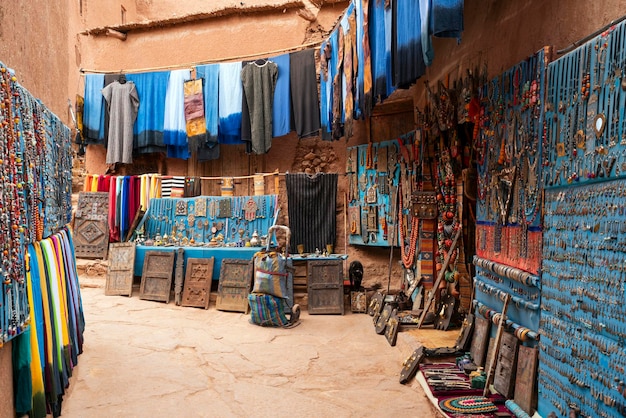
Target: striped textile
172,186
267,310
312,203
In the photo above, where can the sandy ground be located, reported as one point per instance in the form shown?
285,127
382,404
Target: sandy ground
150,359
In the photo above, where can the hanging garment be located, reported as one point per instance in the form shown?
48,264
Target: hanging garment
428,51
148,131
194,114
406,48
123,103
311,203
304,98
38,401
281,106
368,103
349,61
326,87
108,79
246,129
338,115
259,81
360,63
230,101
93,118
447,18
380,43
210,149
174,125
113,237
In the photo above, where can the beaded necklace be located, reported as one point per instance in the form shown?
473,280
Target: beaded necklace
408,255
448,224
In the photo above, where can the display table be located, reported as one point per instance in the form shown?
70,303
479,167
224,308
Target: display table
219,253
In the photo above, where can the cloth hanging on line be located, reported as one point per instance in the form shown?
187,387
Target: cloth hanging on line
304,98
174,124
194,114
328,56
380,41
446,20
123,104
281,106
57,321
406,48
210,149
259,81
230,101
93,117
312,204
148,130
108,79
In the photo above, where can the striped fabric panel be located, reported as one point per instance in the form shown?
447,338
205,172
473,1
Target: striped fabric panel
173,186
312,204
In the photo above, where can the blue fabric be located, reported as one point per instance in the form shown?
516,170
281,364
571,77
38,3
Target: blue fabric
281,107
148,129
174,124
360,67
327,110
407,56
326,89
93,111
124,207
447,18
210,74
230,102
380,45
427,43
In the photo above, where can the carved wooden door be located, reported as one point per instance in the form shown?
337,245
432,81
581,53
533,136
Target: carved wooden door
325,286
504,379
198,279
120,272
91,237
156,280
234,285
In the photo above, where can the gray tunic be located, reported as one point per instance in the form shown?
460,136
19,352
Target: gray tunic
259,82
123,104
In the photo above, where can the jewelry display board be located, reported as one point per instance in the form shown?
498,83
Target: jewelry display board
207,220
234,285
91,227
120,271
510,144
35,197
156,280
581,358
198,279
373,172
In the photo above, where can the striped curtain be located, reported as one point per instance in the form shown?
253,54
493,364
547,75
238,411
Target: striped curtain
312,201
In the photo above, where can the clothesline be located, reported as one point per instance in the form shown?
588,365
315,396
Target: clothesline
83,71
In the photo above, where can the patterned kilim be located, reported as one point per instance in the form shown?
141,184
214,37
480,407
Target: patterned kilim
509,253
427,252
468,405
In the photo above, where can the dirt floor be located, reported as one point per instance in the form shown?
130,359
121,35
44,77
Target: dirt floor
150,359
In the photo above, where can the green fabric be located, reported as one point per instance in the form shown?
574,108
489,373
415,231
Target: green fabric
22,382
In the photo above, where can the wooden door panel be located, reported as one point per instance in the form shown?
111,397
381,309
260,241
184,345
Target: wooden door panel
198,279
156,280
120,271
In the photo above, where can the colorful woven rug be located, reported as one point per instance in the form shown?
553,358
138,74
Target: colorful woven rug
468,405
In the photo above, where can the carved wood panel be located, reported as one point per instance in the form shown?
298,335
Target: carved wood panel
234,285
156,280
480,341
120,271
504,379
91,227
325,287
526,380
198,279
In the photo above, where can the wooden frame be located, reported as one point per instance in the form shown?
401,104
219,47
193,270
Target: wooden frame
234,285
156,280
198,279
120,274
